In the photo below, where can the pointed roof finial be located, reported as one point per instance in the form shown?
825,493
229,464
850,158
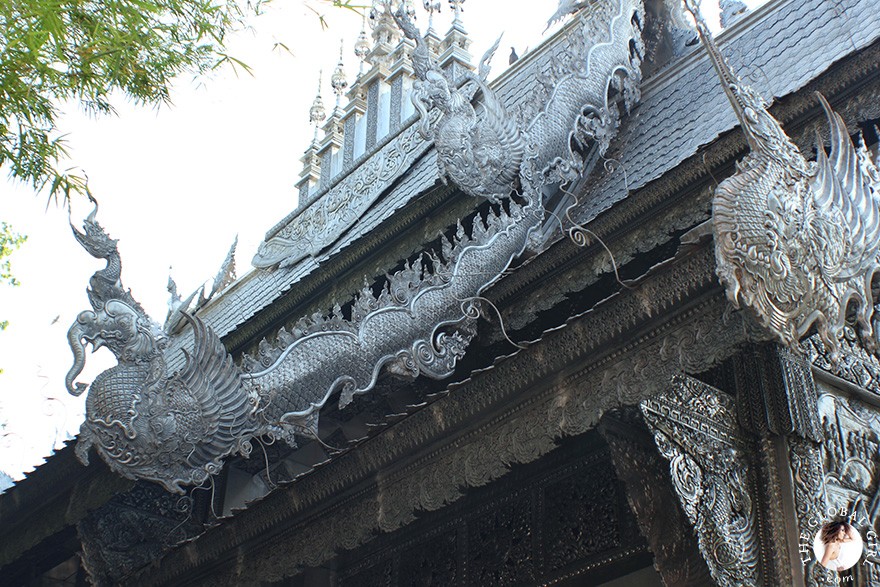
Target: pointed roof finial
338,81
362,45
431,6
457,9
317,113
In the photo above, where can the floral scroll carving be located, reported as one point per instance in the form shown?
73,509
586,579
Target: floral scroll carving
695,429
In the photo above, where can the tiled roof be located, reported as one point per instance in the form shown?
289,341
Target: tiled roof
779,51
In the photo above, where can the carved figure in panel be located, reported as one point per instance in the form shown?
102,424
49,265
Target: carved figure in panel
850,460
851,449
695,429
807,473
852,362
796,242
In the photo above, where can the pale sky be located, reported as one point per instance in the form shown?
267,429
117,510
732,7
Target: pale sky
175,186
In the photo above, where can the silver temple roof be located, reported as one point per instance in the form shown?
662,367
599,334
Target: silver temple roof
779,49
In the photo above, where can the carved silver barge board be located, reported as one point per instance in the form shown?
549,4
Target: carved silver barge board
796,242
175,429
604,59
420,324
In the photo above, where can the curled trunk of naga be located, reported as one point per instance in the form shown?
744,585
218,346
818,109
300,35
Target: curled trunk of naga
75,338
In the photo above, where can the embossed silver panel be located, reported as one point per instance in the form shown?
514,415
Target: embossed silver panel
695,429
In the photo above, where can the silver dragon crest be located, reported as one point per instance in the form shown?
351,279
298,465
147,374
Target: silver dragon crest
144,422
482,157
796,242
488,155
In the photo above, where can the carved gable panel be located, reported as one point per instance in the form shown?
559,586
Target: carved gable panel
696,430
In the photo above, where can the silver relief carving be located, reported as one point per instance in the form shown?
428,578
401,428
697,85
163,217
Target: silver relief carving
146,423
483,153
600,69
695,429
796,242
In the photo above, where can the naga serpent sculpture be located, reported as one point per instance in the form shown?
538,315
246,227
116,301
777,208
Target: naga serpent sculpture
177,428
797,242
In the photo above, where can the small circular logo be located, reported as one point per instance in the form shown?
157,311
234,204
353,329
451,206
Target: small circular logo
838,546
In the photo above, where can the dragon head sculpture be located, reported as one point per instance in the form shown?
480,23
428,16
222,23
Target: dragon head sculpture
174,429
480,156
796,242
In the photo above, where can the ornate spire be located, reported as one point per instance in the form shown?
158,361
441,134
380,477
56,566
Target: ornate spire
362,45
454,57
431,6
338,81
317,113
456,6
382,22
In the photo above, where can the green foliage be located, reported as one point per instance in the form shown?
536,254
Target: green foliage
347,4
9,241
90,52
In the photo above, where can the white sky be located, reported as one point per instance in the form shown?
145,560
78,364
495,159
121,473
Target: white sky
175,186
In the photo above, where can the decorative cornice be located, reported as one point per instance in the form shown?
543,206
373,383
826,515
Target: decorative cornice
478,427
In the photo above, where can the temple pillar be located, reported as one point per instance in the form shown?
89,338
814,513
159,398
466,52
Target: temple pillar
777,406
